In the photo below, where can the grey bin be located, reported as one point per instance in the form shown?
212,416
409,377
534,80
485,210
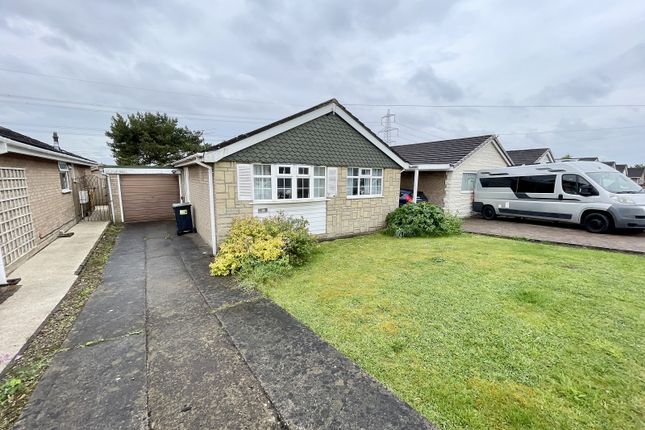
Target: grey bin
184,218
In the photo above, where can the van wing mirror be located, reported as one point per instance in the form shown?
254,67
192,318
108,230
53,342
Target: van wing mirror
587,191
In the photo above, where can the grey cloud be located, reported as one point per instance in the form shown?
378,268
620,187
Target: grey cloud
426,83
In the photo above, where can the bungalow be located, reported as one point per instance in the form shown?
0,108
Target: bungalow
322,164
611,164
445,170
637,174
522,157
36,199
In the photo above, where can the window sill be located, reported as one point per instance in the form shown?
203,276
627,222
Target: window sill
66,191
364,197
288,201
467,192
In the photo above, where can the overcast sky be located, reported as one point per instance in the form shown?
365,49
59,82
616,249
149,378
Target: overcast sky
230,67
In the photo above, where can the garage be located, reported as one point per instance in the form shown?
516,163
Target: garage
143,194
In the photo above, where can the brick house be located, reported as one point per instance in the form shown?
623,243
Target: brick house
36,198
445,170
637,174
322,164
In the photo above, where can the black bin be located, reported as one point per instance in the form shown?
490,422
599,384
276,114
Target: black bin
184,218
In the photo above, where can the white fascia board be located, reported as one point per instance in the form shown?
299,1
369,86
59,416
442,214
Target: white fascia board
9,145
187,161
135,171
429,167
218,154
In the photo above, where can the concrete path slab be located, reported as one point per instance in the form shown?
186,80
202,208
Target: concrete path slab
46,278
102,386
565,234
212,355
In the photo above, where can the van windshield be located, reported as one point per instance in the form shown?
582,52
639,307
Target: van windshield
615,182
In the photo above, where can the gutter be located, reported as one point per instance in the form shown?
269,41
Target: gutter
8,145
211,198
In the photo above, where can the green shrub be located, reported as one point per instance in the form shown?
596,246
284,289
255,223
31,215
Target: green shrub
261,249
421,220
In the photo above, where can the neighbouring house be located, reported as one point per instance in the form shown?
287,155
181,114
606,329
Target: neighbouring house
36,194
637,174
142,193
522,157
322,164
564,160
611,164
445,170
622,168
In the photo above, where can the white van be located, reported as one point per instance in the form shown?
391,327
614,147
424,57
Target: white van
581,192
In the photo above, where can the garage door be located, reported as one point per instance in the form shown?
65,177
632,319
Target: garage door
149,197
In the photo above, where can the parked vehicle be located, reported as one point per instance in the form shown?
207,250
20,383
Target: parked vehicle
405,196
588,193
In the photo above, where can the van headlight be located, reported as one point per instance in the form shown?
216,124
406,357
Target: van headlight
622,199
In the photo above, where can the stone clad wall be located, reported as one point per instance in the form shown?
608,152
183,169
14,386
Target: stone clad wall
227,206
346,217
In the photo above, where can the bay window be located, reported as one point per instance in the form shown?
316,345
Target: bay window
363,181
288,182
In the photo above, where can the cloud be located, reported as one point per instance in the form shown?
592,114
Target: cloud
426,83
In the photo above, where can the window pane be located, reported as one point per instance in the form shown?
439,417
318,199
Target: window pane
352,187
64,181
319,187
364,188
468,181
302,188
284,188
570,184
262,188
377,172
504,182
352,171
536,184
376,186
319,171
366,172
303,170
284,170
262,169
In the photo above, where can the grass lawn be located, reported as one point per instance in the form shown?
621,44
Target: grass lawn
480,332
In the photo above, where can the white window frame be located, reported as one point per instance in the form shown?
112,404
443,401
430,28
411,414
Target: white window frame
294,174
63,172
262,176
461,186
366,173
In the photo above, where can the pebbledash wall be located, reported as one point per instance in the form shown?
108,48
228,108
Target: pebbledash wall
51,209
344,216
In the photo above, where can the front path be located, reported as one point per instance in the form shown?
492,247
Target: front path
161,344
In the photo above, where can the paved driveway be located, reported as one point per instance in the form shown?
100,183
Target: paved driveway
163,345
557,233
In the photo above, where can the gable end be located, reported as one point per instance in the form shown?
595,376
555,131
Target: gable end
326,141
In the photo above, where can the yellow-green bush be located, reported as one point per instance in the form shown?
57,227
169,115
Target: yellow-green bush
258,247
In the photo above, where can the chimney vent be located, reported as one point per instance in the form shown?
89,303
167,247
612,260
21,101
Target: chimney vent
55,137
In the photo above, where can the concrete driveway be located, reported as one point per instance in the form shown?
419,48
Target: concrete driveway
627,241
163,345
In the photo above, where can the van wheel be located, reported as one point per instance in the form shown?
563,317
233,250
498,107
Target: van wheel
597,223
488,212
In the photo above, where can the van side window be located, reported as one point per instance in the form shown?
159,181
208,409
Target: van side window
536,184
505,182
571,184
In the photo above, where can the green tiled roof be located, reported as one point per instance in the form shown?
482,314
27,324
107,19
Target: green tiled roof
324,141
